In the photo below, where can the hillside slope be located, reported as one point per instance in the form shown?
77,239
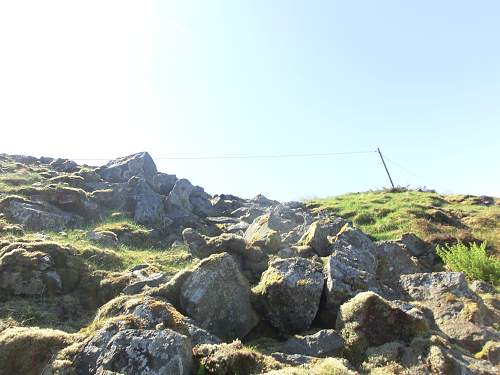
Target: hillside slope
435,218
122,269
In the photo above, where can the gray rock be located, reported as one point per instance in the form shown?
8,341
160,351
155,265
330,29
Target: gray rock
325,342
122,169
37,216
64,165
369,320
318,233
480,286
425,286
393,260
414,244
350,269
163,183
151,281
293,359
136,352
149,206
224,311
289,293
202,246
105,238
186,200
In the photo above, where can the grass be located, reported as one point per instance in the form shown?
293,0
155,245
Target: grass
436,218
472,260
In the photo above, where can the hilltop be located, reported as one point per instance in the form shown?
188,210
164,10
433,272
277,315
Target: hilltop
122,269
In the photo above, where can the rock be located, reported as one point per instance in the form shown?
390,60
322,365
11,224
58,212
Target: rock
369,320
201,246
350,269
105,238
39,269
319,367
294,359
225,204
186,200
163,183
393,260
318,232
325,342
414,244
482,287
64,165
122,169
151,281
233,358
259,233
457,310
289,293
136,352
225,312
27,351
149,208
247,214
490,352
37,216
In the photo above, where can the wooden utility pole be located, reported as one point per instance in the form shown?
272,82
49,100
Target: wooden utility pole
385,166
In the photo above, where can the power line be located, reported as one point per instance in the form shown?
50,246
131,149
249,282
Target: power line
264,156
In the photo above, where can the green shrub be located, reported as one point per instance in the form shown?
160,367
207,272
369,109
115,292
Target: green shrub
472,260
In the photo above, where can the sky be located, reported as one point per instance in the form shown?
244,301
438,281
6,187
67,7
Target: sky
96,80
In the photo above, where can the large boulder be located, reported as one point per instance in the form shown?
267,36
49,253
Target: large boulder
149,207
369,320
224,311
122,169
393,260
289,293
39,269
37,215
350,269
319,233
186,200
457,310
136,352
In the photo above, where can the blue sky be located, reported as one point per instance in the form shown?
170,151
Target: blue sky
420,80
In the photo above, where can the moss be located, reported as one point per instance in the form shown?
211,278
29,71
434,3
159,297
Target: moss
27,350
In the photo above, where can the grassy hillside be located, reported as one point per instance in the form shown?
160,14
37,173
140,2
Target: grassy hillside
433,217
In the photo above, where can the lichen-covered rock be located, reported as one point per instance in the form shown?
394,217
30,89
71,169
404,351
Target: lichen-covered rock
217,296
457,310
325,342
39,269
260,233
289,293
164,183
318,233
369,320
136,352
149,208
393,260
232,358
122,169
350,269
37,215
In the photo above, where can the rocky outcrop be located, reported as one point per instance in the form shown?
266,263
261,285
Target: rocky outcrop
318,235
457,310
369,320
225,311
136,165
289,293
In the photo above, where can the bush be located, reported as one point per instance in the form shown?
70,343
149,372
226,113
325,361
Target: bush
473,261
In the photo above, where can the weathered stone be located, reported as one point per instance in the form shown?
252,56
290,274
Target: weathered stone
163,183
122,169
318,233
369,320
414,244
149,208
105,238
289,293
136,352
325,342
37,216
457,310
186,200
259,233
64,165
226,312
151,281
350,269
201,246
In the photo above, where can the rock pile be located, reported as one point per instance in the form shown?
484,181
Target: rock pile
307,289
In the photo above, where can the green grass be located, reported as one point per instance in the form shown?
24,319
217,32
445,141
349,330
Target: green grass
472,260
436,218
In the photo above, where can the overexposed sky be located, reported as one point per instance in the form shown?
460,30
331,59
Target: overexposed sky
101,79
